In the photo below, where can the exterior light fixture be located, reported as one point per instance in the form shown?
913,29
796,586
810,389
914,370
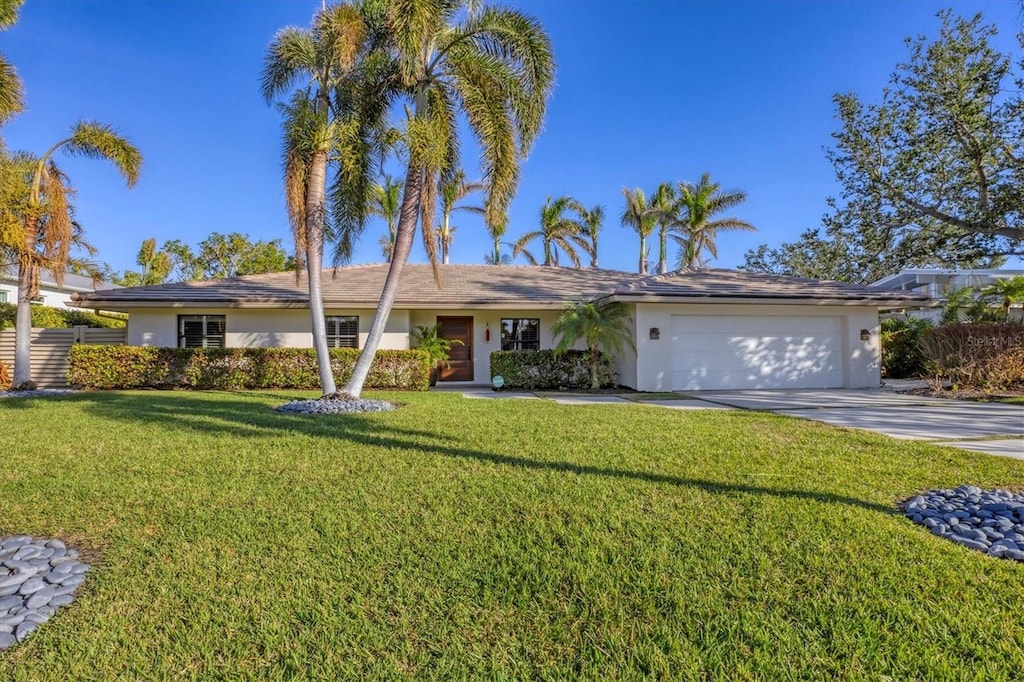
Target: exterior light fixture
655,333
865,335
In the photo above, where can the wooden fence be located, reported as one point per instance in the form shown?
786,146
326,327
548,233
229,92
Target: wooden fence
50,348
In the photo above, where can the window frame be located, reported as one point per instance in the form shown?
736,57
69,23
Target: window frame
340,340
520,343
206,336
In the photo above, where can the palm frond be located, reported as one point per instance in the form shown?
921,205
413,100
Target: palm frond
12,94
291,55
100,141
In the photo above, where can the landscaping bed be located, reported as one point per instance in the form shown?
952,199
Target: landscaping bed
499,539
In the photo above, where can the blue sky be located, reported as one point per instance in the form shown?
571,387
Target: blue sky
647,91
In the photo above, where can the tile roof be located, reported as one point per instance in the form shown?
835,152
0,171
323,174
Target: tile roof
478,285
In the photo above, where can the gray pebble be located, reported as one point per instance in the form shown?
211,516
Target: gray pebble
40,598
62,599
990,521
14,579
7,640
24,630
31,585
8,603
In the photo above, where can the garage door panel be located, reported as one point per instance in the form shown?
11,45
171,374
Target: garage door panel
715,352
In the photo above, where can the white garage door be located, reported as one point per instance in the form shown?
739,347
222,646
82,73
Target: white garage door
756,352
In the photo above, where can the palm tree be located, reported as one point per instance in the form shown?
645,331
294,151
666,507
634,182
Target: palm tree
604,326
328,119
387,202
494,65
663,206
592,221
156,267
48,231
12,96
697,205
638,215
557,232
956,299
1008,291
452,190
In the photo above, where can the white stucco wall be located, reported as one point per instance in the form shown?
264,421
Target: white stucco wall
259,328
861,359
55,298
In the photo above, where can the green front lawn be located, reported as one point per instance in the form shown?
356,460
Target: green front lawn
495,539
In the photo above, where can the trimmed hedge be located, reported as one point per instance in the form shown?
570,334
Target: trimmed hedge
542,369
902,356
46,317
981,355
121,367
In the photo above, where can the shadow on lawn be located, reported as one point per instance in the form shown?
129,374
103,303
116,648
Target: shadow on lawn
252,419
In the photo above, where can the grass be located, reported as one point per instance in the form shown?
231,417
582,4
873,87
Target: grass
495,539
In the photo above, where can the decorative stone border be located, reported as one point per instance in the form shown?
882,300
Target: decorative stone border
37,577
37,393
330,406
990,521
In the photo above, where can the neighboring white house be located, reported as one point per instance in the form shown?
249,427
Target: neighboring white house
701,329
937,283
50,293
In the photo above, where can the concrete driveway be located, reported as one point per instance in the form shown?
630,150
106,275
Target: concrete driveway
955,423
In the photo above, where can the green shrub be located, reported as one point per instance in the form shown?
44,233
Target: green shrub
46,317
902,356
120,367
981,355
541,369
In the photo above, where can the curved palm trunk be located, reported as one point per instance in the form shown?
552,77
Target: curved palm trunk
315,202
403,246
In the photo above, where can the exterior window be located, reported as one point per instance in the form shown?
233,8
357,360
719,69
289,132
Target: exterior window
3,297
201,331
342,331
520,334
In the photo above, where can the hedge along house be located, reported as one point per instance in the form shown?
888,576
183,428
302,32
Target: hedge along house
693,330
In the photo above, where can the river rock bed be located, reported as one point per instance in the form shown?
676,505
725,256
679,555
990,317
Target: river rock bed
335,406
37,577
990,521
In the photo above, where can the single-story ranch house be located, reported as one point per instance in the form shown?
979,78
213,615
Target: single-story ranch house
700,329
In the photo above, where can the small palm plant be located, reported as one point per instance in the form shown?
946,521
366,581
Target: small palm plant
603,325
429,339
1007,292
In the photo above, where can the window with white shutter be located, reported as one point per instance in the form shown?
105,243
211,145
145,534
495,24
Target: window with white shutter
342,331
201,331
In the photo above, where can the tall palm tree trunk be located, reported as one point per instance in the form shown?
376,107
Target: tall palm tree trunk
315,203
642,267
23,314
403,247
445,241
662,253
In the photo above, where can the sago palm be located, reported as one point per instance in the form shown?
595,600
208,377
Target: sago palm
592,220
452,190
559,231
328,121
639,216
495,66
48,232
387,203
12,96
697,205
604,326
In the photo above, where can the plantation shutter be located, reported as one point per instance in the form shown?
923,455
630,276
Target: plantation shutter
201,331
342,331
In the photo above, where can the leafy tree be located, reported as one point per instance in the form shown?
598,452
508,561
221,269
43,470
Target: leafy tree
558,231
603,325
494,65
932,175
48,233
592,221
156,267
452,190
387,203
12,95
697,205
333,119
226,255
639,215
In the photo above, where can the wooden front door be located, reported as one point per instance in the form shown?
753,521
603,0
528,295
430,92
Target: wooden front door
460,358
